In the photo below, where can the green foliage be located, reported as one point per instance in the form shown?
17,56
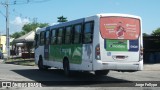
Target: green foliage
16,35
32,26
156,32
27,28
145,34
62,19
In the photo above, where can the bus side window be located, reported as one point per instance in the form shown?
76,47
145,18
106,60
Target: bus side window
67,39
47,38
53,36
77,34
88,32
60,36
42,36
36,40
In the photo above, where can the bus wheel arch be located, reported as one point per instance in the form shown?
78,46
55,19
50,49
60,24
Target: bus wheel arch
66,66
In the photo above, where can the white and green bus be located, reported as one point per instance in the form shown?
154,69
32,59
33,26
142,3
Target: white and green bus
97,43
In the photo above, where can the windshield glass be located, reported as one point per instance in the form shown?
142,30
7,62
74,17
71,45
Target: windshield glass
119,28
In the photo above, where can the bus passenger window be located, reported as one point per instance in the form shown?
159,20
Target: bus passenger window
68,35
60,34
53,37
42,38
36,40
88,32
47,38
77,34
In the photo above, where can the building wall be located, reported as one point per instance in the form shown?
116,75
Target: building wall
151,45
3,43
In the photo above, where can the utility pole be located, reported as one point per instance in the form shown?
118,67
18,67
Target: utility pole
7,30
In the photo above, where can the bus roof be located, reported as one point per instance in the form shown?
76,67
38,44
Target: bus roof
41,29
118,14
68,23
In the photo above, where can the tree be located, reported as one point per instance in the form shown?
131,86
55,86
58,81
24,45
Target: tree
156,32
145,34
16,35
62,19
32,26
27,28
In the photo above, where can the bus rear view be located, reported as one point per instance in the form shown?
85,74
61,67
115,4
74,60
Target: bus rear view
120,43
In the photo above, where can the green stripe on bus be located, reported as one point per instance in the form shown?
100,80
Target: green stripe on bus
72,52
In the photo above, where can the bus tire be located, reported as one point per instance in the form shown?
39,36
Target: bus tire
66,67
101,72
41,66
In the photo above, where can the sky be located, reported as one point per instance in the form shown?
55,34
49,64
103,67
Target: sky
48,11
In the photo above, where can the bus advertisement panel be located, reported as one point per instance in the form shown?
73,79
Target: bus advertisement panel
119,28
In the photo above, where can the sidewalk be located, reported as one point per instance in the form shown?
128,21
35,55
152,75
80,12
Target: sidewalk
1,61
151,67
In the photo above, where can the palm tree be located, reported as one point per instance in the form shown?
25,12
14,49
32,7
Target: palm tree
62,19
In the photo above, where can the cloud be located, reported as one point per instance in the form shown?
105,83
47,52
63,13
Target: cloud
17,24
20,21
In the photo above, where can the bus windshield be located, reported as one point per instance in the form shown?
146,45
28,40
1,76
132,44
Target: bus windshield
119,28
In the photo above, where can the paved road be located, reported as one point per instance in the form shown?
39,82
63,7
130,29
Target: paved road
31,73
10,72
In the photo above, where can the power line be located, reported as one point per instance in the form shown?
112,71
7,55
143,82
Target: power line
15,13
19,2
6,3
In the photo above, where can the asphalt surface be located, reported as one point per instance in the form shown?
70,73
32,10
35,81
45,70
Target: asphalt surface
12,72
83,80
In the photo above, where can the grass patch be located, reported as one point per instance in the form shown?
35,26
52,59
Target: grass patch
20,61
26,63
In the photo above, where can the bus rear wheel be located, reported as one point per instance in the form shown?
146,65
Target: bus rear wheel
66,67
101,72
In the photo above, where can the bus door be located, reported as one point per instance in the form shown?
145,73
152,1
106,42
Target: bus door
88,41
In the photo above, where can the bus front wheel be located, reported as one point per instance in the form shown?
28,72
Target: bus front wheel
41,66
101,72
